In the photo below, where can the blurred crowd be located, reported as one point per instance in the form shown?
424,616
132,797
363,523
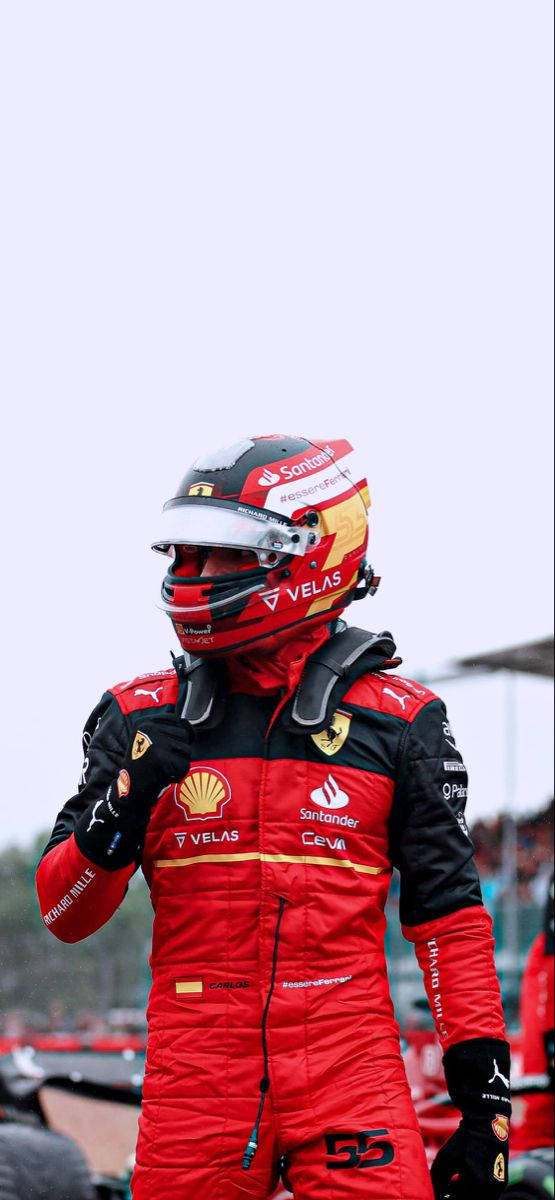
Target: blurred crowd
534,863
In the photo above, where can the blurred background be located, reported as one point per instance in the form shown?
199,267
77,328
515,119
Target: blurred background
219,220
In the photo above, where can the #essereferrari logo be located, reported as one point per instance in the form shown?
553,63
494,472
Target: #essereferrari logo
203,794
330,740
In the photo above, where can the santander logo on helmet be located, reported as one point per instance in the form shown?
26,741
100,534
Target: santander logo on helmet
267,478
294,470
291,514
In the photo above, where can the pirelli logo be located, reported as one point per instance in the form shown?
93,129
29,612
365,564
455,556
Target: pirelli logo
189,987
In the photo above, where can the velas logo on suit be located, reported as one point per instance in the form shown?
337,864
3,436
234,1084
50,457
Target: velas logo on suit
203,794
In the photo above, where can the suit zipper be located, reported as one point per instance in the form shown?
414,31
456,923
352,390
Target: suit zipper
252,1144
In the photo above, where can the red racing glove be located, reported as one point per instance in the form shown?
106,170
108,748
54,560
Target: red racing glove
111,830
473,1164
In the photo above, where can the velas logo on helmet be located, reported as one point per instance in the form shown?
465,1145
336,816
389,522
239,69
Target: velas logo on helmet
288,519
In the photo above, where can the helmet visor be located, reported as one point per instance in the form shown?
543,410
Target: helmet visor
197,522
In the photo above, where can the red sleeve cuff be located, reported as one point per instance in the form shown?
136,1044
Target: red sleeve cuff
75,896
456,955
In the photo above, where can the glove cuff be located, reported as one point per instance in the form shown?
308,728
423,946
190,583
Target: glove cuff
111,838
478,1073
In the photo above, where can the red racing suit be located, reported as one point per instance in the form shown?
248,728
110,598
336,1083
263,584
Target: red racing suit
269,866
534,1125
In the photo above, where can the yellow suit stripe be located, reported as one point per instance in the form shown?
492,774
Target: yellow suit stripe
308,859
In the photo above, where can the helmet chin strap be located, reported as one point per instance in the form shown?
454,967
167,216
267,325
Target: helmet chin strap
368,582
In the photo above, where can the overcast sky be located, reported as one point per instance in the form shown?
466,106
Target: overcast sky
219,219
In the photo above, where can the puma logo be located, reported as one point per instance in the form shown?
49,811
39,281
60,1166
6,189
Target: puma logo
400,699
95,820
497,1075
146,692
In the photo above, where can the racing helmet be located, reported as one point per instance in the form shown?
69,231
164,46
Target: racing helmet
297,509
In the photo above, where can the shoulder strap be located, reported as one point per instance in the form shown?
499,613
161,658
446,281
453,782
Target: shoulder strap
200,698
329,673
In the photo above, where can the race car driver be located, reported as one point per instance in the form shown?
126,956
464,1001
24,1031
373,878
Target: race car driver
267,783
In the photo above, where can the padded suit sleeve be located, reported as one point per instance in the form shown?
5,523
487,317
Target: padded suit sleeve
75,895
441,905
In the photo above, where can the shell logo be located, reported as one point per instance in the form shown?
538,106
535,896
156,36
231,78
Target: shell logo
501,1128
203,794
123,783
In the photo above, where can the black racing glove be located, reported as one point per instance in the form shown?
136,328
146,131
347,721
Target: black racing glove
111,830
473,1164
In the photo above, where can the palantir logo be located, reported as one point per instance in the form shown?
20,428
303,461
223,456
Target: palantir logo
330,795
268,478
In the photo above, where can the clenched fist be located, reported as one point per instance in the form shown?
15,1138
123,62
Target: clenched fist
111,831
474,1162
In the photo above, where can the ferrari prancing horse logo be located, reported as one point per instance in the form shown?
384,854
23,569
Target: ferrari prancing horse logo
141,744
330,740
201,489
499,1170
